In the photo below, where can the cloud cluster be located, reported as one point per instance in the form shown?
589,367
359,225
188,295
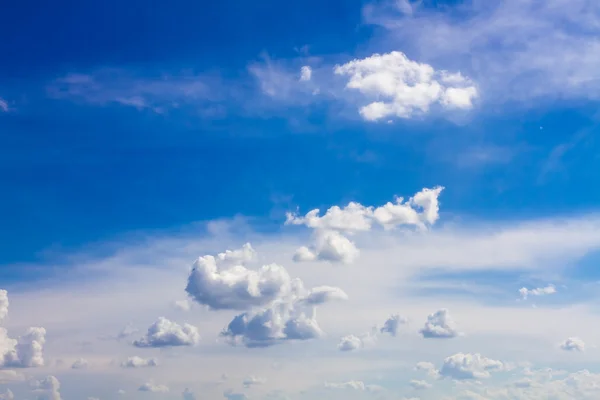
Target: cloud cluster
462,366
47,388
24,352
439,325
400,87
166,333
330,241
525,293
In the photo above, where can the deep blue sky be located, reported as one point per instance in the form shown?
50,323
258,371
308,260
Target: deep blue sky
74,172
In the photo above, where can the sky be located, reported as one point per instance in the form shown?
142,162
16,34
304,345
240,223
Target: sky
374,199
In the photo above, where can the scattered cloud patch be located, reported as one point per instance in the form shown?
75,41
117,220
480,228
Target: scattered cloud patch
525,293
305,73
165,333
420,385
252,381
462,366
393,324
573,344
153,387
80,363
139,362
439,325
47,388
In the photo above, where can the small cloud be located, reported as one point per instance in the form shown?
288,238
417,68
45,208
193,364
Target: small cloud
419,385
253,380
3,105
80,363
305,73
165,333
392,324
573,344
439,325
525,293
152,387
139,362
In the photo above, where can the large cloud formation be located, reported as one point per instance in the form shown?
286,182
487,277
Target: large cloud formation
24,352
330,241
224,283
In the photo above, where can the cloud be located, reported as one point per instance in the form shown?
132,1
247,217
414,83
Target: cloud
253,380
524,292
80,363
420,385
126,332
353,385
3,105
165,333
8,375
439,325
153,387
573,344
231,395
7,395
353,342
236,288
329,240
182,305
147,91
24,352
515,50
139,362
428,368
305,73
292,317
392,324
469,366
47,388
399,87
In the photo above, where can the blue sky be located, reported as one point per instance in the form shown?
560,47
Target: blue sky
136,137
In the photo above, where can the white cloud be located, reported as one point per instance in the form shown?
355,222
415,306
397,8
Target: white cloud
24,352
573,344
47,388
235,288
231,395
428,368
182,305
420,385
153,387
7,395
399,87
9,375
305,73
393,324
3,105
138,362
253,380
353,342
165,333
80,363
353,385
462,366
329,240
524,292
515,50
439,325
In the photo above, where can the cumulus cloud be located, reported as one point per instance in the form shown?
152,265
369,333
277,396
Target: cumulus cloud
7,395
289,318
573,344
305,73
165,333
253,380
524,292
392,324
150,386
353,342
439,325
330,241
462,366
80,363
419,385
353,385
139,362
224,283
47,388
9,375
400,87
428,368
3,304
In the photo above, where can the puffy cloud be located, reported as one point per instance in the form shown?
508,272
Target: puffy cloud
462,366
153,387
419,385
392,324
330,242
165,333
3,304
126,332
524,292
402,88
328,246
353,342
439,325
305,73
47,388
80,363
187,394
9,375
573,344
138,362
252,380
289,318
428,368
222,282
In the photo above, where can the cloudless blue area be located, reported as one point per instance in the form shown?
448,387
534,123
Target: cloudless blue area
73,174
